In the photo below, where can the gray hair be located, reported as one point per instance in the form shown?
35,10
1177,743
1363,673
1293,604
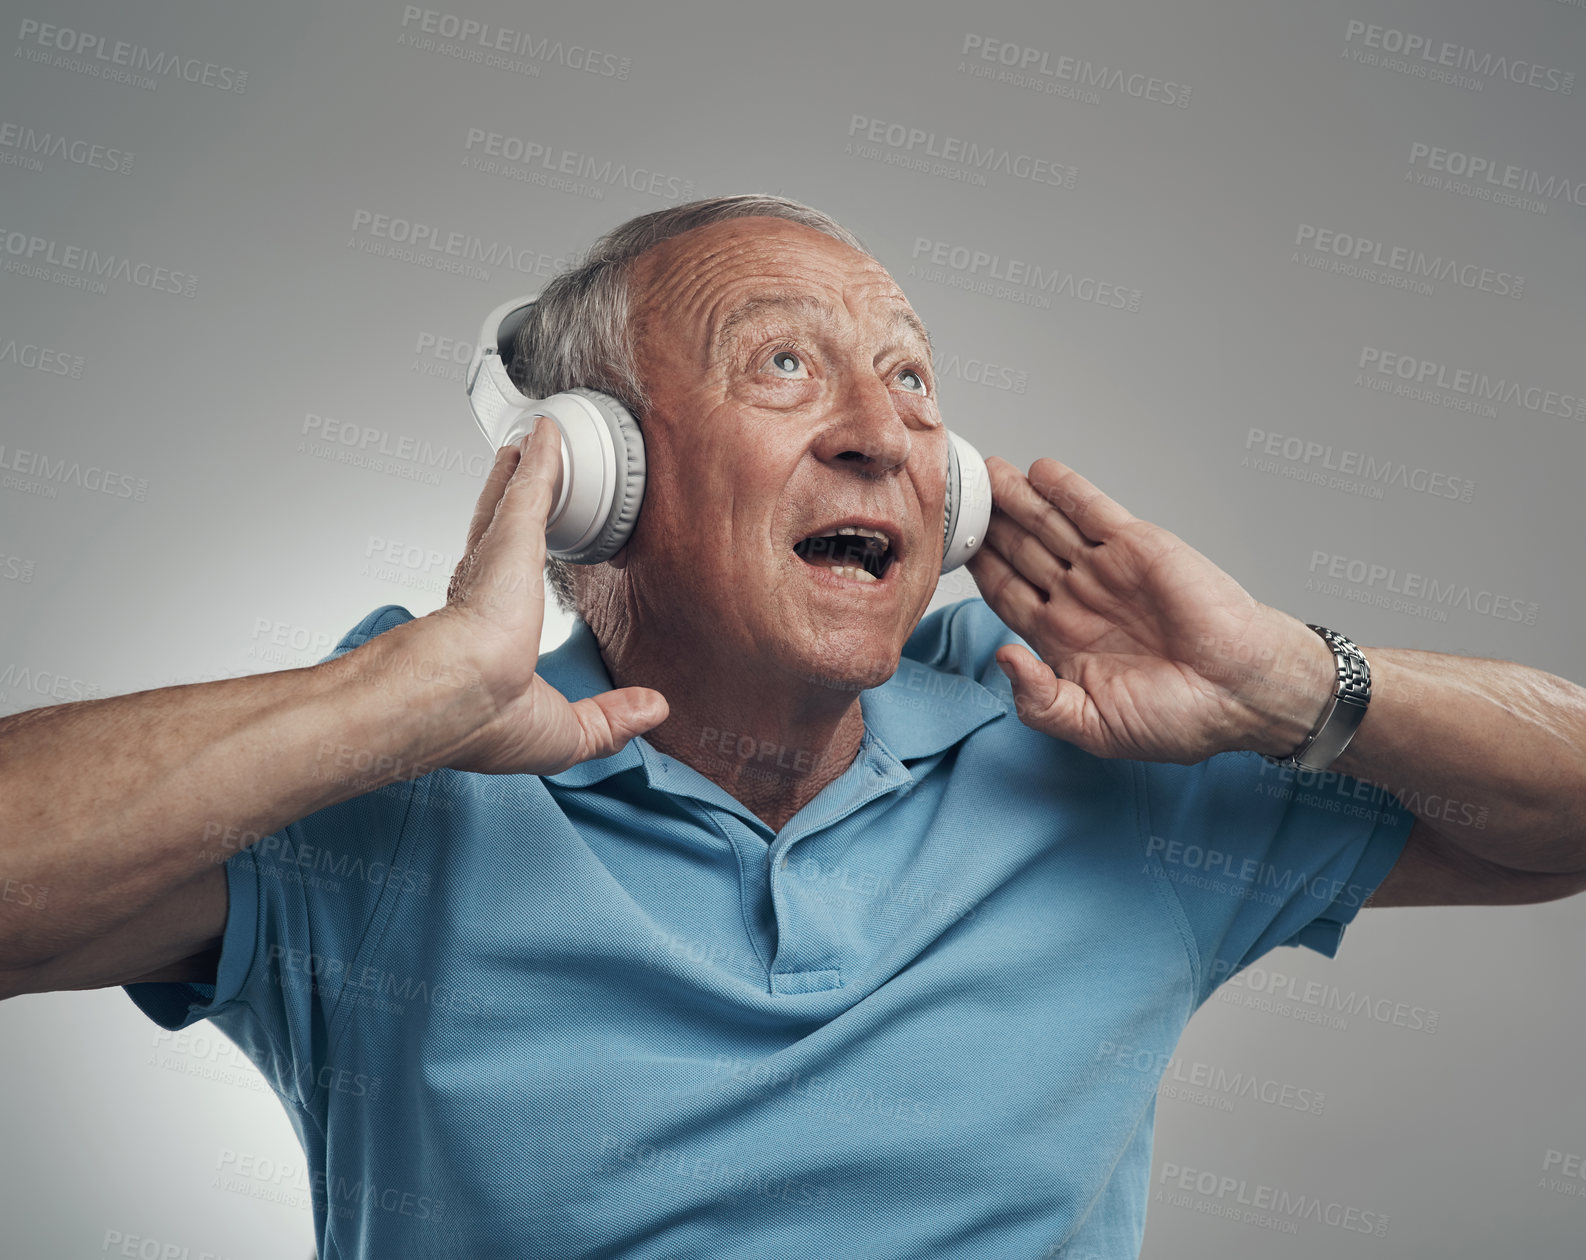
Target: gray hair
579,333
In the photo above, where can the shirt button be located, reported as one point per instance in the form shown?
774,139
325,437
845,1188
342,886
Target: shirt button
784,864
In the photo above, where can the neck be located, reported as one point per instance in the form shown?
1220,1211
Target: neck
769,740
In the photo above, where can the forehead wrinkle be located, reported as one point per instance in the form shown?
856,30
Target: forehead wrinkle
903,317
675,280
753,307
674,283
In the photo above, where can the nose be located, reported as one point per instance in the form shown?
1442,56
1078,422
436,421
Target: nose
866,432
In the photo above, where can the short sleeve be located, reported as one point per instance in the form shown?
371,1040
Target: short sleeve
300,904
1255,855
1259,855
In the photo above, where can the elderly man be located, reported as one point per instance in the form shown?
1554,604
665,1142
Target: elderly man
793,921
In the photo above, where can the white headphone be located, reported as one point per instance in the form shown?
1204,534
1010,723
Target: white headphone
603,455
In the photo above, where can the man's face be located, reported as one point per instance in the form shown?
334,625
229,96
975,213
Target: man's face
791,396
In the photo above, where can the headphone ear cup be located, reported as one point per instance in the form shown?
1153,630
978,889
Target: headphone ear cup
967,509
604,484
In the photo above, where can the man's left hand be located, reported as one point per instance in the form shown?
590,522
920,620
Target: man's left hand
1147,649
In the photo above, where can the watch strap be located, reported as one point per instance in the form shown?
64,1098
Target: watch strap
1343,714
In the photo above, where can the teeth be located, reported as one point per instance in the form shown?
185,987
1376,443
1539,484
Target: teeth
863,532
853,571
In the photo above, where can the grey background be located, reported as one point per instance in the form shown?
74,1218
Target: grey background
250,548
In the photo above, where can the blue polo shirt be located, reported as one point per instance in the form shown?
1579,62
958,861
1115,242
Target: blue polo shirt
608,1012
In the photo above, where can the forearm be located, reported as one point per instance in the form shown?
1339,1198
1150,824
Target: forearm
1490,754
106,804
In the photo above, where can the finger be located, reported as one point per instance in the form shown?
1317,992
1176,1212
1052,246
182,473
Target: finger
1017,499
501,471
517,527
1010,595
1042,699
1027,553
507,559
609,720
1093,513
541,465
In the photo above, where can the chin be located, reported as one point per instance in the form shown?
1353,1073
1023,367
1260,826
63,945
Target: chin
836,669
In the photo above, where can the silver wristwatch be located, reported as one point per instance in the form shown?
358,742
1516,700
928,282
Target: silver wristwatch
1341,719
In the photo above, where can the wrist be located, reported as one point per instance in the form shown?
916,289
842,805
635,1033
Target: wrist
425,671
1283,700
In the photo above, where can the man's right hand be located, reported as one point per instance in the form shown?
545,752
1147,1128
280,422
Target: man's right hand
495,608
130,838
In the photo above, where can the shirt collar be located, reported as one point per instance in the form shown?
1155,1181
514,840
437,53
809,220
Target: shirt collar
918,712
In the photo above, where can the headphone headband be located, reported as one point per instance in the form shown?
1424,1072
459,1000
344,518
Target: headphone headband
490,388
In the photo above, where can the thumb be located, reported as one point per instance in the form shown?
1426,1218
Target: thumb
1041,699
609,720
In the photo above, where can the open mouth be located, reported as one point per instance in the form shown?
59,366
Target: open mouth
851,551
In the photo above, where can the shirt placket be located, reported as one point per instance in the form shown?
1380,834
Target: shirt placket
811,955
807,955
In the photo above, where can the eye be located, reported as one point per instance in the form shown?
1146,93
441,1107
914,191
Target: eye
912,381
788,365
